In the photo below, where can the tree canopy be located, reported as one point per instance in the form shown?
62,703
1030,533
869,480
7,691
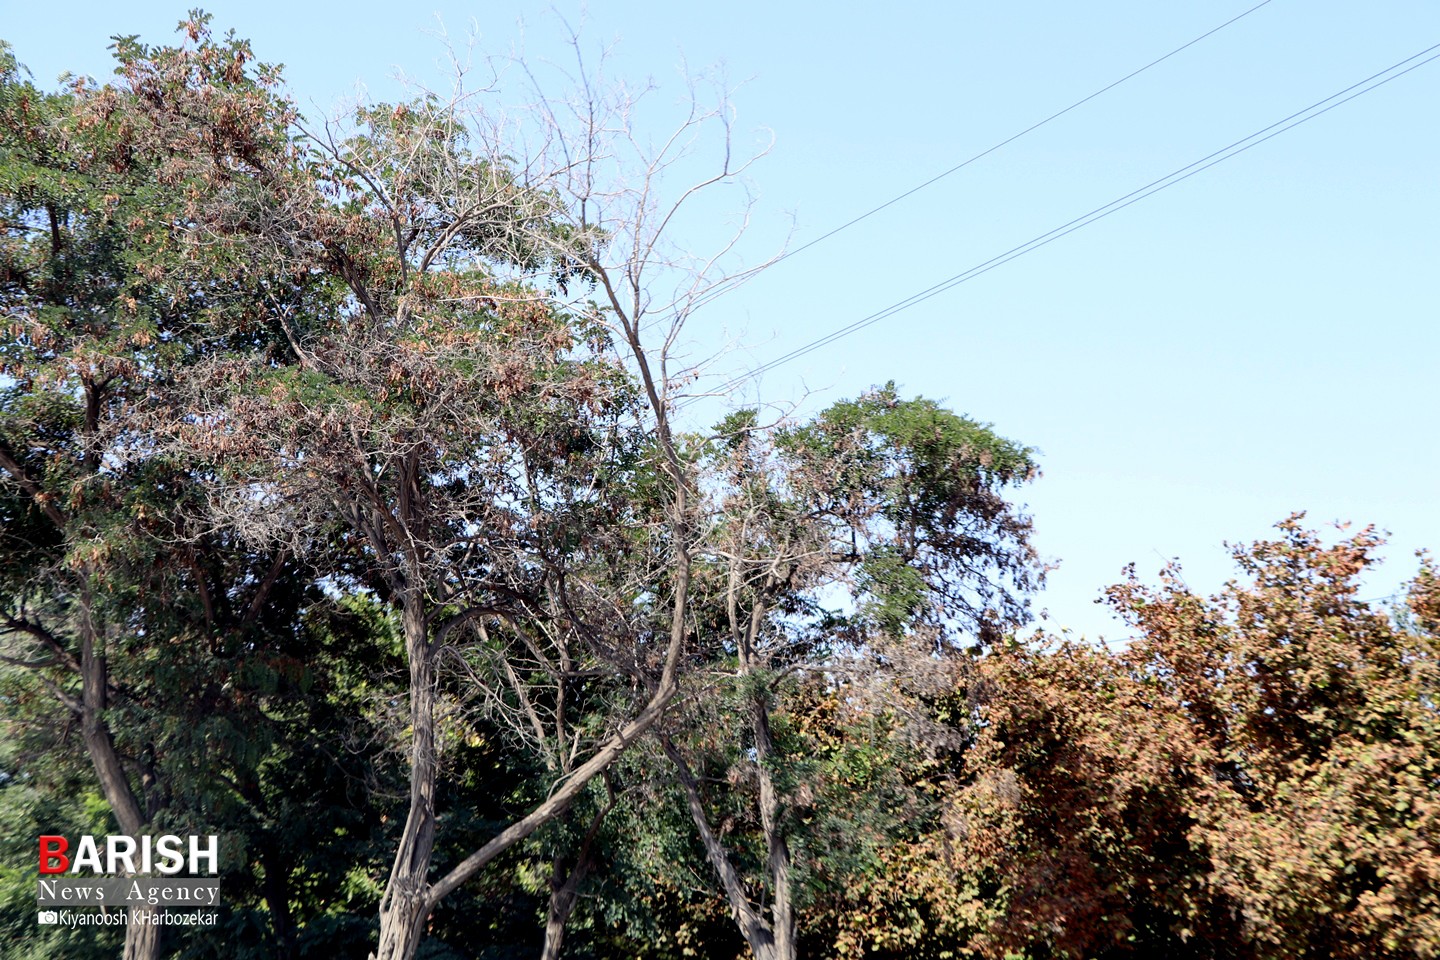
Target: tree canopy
348,514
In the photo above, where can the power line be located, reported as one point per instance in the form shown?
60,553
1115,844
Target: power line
1372,82
985,153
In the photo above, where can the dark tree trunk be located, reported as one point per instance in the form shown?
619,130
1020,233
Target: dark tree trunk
565,889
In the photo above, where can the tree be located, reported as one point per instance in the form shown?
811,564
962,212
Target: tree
445,425
1322,739
851,557
1253,776
127,618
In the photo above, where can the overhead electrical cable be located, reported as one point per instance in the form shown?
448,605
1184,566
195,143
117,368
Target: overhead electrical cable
1320,107
722,287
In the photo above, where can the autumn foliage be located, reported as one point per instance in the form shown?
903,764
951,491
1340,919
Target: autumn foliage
351,510
1253,775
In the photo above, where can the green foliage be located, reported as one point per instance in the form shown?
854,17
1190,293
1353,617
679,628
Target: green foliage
29,807
286,424
917,491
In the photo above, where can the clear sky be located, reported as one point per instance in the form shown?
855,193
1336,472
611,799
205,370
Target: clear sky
1257,340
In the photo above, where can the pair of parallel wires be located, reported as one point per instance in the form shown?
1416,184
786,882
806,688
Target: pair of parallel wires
1320,107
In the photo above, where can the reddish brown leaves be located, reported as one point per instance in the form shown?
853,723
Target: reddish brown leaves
1255,773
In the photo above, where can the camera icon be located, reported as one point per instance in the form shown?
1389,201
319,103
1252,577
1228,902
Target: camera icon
49,916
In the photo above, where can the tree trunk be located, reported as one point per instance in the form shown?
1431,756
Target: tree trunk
782,916
277,895
276,886
753,926
403,909
142,939
401,929
565,890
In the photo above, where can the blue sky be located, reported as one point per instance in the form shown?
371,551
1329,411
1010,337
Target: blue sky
1257,340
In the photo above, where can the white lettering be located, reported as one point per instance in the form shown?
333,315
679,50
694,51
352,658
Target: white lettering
146,855
211,854
88,855
168,847
114,854
68,891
